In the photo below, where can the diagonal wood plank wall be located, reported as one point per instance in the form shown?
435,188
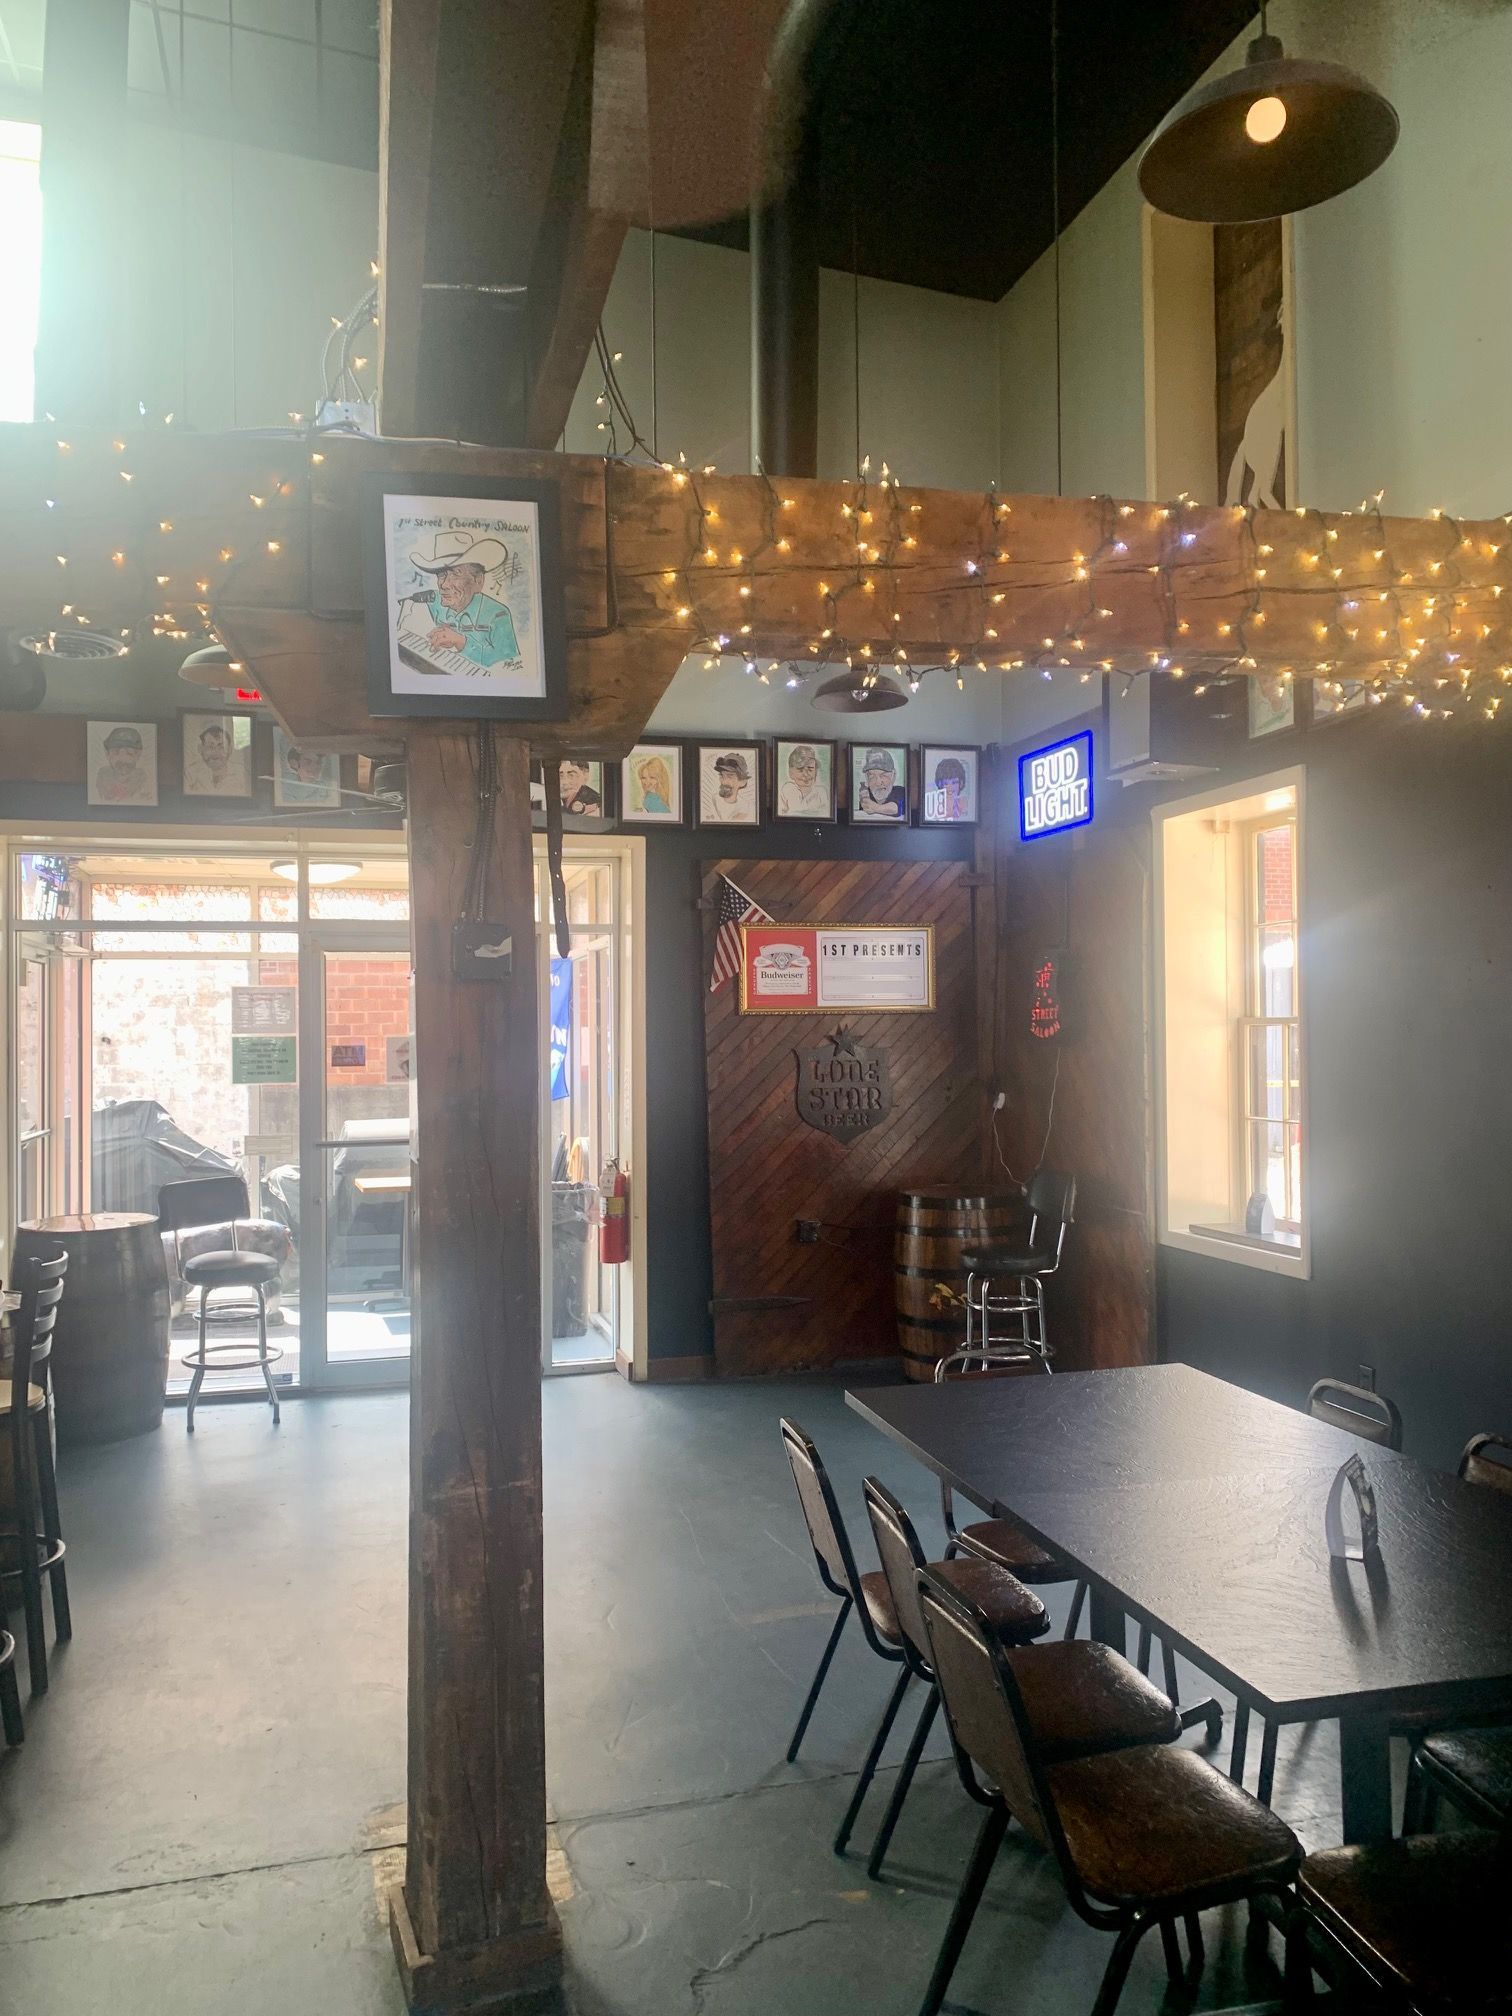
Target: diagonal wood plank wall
767,1168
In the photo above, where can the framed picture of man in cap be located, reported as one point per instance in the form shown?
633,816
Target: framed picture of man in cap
122,763
879,785
464,599
729,783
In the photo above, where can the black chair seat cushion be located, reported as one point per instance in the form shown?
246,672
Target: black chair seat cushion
1082,1698
1157,1825
1014,1613
1007,1260
1477,1762
1427,1913
230,1270
1009,1546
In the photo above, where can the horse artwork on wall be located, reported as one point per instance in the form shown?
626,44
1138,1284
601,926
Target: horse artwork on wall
1254,356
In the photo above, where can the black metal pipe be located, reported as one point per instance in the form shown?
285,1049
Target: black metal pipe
785,255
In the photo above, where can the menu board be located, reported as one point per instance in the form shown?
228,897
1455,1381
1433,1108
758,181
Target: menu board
807,969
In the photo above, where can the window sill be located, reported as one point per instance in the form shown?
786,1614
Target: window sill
1285,1253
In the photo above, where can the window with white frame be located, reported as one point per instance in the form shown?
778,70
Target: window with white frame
20,263
1231,1135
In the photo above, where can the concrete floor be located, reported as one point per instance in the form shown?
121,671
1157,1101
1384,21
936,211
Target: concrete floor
209,1794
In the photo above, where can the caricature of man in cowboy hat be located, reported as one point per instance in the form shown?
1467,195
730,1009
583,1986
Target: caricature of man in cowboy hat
464,618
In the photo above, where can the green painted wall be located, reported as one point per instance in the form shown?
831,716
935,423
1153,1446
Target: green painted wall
1403,289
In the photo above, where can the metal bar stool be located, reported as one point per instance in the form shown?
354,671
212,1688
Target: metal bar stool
1006,1284
214,1200
31,1543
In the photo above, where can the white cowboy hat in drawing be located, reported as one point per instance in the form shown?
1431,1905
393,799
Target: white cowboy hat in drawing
444,550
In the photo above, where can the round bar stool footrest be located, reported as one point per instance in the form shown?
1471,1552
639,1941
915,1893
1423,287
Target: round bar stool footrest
49,1554
231,1357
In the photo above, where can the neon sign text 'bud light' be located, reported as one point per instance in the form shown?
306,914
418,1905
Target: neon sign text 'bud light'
1055,787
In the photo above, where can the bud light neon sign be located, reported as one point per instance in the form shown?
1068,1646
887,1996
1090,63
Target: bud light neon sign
1055,787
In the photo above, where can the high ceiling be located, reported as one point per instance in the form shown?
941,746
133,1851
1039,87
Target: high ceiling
935,128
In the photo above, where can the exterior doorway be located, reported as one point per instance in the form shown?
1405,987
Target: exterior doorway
204,1006
588,1013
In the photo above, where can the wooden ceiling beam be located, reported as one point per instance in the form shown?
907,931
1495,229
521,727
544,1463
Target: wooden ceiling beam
267,535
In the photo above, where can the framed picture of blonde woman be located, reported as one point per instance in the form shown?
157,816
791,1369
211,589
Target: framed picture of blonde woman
651,785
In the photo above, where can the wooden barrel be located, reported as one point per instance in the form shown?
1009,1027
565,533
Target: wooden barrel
110,1345
935,1227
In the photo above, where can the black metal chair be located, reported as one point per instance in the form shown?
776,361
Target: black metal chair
1421,1920
1362,1412
1487,1459
1359,1411
11,1724
1142,1837
31,1542
1471,1768
1008,1282
215,1200
1082,1697
867,1595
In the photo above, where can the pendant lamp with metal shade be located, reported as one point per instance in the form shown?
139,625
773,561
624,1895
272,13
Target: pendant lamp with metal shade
1278,135
858,692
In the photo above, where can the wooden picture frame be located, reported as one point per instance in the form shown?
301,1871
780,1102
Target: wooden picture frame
961,784
1272,704
591,777
804,792
121,763
498,652
728,779
219,770
866,783
642,785
296,788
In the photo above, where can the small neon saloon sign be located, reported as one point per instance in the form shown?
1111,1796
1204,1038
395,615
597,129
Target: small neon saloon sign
1055,787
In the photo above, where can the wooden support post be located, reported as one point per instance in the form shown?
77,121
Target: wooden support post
473,1926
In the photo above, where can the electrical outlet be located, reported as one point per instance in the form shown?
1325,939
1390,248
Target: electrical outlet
808,1231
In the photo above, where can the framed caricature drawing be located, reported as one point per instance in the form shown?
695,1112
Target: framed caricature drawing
464,598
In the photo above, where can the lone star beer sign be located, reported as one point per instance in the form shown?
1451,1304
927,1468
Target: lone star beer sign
844,1086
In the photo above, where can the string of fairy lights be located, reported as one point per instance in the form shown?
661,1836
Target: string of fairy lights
1430,623
1382,629
1199,584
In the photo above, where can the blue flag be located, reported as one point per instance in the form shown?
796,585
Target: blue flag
561,1024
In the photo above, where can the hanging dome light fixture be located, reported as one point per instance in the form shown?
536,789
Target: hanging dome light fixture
1278,135
858,692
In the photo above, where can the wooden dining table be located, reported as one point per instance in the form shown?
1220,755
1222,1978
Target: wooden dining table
1197,1508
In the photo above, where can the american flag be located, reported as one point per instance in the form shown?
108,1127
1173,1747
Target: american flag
735,909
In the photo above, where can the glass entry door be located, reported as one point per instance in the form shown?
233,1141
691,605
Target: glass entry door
584,1112
355,1162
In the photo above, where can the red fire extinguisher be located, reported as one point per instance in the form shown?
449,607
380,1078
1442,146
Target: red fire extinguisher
614,1220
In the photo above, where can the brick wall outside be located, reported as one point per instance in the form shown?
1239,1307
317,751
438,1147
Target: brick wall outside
162,1027
1278,874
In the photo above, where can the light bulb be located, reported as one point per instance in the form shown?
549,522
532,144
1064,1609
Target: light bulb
1265,120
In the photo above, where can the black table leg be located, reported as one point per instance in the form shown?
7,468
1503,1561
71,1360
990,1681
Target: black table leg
1365,1777
1106,1620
